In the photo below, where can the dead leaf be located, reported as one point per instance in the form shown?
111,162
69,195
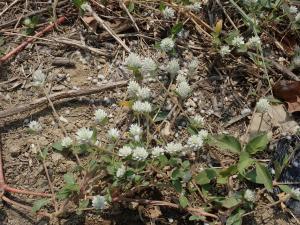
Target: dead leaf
287,90
152,212
294,106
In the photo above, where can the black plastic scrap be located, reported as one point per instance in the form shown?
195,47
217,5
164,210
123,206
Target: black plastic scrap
289,146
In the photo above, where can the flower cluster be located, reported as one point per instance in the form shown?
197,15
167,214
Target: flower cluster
84,135
140,154
136,91
193,66
142,107
135,131
121,171
167,44
173,148
35,126
157,151
238,41
168,13
173,67
183,89
99,202
100,116
66,142
113,134
254,41
134,61
149,66
38,78
249,195
225,50
262,105
197,121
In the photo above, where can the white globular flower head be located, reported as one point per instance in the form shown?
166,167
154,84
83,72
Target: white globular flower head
99,202
183,89
125,151
121,171
133,88
157,151
135,131
149,66
167,44
143,93
225,50
296,61
140,154
195,142
168,13
173,67
203,134
35,126
133,61
84,135
293,9
193,65
100,115
142,107
113,134
249,195
295,192
262,105
254,41
197,121
173,147
181,78
238,41
66,142
297,17
38,78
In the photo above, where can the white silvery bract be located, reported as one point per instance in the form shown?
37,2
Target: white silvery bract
295,192
121,171
173,147
100,115
195,142
203,134
293,9
196,7
142,107
197,121
148,66
193,65
167,44
143,93
66,142
140,154
249,195
85,7
133,88
173,67
296,61
181,78
133,61
238,41
84,135
297,17
135,131
35,126
157,151
183,89
99,202
38,78
254,41
168,13
262,105
125,151
225,50
113,134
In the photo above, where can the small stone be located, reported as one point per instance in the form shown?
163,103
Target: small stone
94,81
101,77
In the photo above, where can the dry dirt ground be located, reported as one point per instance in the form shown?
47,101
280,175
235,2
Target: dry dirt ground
222,91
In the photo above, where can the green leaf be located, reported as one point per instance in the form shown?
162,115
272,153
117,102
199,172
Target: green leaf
83,204
78,3
176,174
94,135
183,201
160,116
177,185
196,218
205,176
224,174
287,189
131,6
44,153
176,28
57,146
69,178
231,202
38,204
258,143
162,6
264,175
244,162
236,219
226,142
